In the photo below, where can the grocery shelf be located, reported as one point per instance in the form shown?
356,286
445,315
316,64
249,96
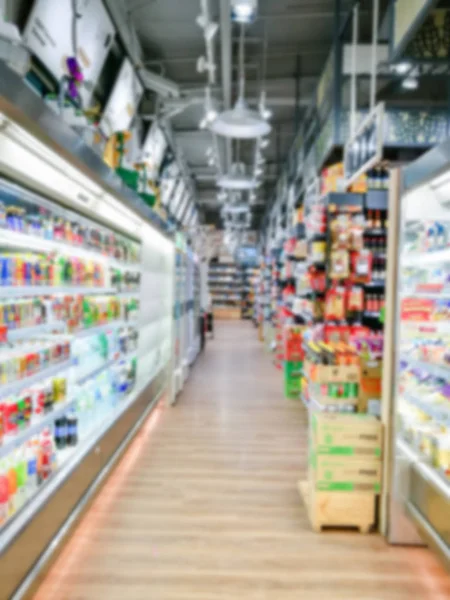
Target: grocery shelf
24,333
444,295
437,479
97,329
104,367
48,290
18,240
440,326
440,371
9,389
70,458
440,415
426,258
37,425
130,295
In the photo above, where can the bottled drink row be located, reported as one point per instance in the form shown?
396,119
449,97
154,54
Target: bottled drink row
51,223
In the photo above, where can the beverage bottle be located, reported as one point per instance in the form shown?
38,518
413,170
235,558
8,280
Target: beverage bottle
61,433
12,487
72,428
32,469
4,494
21,475
48,456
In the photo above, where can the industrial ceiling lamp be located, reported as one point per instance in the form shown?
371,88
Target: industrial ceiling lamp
237,179
241,122
244,11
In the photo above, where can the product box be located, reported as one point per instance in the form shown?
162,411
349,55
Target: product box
293,343
346,435
370,386
332,374
345,474
293,373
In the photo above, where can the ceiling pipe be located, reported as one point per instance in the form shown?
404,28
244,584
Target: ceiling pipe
209,42
226,43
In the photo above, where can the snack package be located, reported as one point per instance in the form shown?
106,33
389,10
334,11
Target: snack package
355,300
362,266
335,304
339,264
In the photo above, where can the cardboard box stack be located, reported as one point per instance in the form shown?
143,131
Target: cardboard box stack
345,446
345,470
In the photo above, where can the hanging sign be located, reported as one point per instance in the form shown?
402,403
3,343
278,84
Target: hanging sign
55,35
154,149
365,149
123,102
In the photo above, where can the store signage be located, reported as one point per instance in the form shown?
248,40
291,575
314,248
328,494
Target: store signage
182,206
50,37
154,149
365,149
176,198
123,101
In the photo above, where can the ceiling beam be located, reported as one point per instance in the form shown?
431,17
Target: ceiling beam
225,37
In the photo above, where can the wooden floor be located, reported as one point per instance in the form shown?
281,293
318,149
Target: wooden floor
204,506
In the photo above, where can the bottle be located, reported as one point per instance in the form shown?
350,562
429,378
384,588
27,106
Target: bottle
32,469
4,494
21,476
61,433
12,487
377,224
72,429
48,457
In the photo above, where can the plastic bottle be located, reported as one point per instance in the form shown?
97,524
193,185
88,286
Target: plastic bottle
32,469
12,487
72,429
4,494
48,455
21,474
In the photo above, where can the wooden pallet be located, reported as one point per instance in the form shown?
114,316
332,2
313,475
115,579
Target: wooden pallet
227,314
343,510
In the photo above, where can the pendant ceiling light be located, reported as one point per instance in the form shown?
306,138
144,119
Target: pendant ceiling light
230,182
237,179
241,122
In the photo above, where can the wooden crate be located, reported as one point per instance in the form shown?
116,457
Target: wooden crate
227,314
349,510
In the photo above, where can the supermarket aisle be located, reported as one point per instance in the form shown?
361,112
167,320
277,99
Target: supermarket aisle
204,506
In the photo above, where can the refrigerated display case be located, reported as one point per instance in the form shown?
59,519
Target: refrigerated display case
186,343
179,319
86,301
419,508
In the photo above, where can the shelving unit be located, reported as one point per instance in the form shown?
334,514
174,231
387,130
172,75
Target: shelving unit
225,280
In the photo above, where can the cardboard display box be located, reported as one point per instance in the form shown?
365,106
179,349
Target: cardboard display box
334,394
330,473
346,435
325,374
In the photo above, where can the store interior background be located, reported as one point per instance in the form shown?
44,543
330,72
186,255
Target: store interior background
111,116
